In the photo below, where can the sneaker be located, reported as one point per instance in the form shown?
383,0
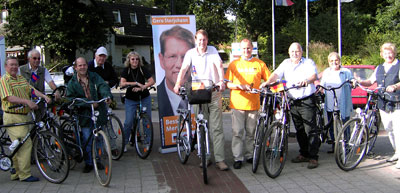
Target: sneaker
222,166
237,164
250,160
31,179
208,163
300,159
393,159
312,164
125,149
87,168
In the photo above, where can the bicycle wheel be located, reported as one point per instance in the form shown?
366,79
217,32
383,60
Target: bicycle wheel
275,148
51,157
203,152
182,142
101,155
67,135
115,132
373,131
259,135
337,125
351,144
144,136
320,122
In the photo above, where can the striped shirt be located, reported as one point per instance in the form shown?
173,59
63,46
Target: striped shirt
19,87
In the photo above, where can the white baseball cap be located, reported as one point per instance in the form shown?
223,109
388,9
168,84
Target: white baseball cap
101,50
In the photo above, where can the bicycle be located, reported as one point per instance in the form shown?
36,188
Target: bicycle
334,119
142,131
115,132
275,142
268,102
49,152
199,93
359,134
101,149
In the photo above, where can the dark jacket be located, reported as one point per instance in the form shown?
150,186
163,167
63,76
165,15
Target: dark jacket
164,105
27,74
98,90
107,73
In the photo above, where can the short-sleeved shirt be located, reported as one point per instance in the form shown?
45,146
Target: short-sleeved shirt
295,73
203,65
140,75
248,72
18,87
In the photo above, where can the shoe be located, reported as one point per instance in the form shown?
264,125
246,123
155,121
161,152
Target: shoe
15,179
250,160
125,149
222,166
332,150
208,163
31,179
237,164
115,152
393,159
397,166
300,159
87,168
312,164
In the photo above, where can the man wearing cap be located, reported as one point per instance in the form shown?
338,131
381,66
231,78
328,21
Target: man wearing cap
103,68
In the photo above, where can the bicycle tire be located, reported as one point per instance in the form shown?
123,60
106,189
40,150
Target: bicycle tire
203,153
373,122
320,122
337,125
258,139
51,157
275,149
102,159
144,136
351,144
116,132
183,145
68,137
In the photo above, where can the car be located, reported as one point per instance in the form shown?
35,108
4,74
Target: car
359,96
58,78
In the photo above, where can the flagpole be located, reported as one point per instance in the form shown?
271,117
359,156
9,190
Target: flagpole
339,28
306,28
273,34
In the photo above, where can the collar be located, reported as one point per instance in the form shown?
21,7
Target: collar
30,68
392,64
78,77
95,64
246,59
8,75
197,51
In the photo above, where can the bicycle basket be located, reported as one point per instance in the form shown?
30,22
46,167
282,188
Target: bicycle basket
200,91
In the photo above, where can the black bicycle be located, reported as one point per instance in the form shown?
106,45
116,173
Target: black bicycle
49,152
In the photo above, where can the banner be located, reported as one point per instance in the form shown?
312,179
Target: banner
173,36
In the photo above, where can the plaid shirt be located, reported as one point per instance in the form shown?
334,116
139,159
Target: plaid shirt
19,87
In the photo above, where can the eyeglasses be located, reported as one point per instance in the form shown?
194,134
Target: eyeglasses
135,59
36,58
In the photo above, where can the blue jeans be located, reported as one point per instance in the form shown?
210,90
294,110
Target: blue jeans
130,114
86,132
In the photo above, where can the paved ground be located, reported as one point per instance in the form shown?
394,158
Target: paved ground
164,173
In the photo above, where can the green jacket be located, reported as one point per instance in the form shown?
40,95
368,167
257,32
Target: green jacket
98,89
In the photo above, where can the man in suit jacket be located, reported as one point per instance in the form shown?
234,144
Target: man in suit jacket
103,68
174,44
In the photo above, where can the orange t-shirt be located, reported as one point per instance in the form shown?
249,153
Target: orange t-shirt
241,71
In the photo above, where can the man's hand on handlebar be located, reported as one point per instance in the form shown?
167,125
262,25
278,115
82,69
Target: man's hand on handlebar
221,86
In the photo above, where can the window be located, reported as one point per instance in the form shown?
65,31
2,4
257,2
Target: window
133,18
117,16
148,19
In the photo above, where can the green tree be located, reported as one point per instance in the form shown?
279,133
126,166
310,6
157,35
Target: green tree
60,26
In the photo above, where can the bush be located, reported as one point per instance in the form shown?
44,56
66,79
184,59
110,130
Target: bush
319,51
351,60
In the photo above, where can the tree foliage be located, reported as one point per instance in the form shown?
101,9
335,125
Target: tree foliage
61,26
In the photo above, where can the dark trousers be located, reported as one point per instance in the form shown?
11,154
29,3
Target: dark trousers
304,119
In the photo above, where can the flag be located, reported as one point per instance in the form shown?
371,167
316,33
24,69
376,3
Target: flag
34,77
33,95
346,1
283,3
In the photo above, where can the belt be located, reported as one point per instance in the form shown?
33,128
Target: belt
305,98
15,113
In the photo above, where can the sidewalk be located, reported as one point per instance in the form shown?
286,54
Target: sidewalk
164,173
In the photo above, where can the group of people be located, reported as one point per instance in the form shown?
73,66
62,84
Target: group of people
196,59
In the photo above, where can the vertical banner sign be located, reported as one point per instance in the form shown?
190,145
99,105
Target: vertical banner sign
173,36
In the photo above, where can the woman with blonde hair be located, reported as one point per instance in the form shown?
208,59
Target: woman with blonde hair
137,79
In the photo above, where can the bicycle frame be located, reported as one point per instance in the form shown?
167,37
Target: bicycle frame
200,121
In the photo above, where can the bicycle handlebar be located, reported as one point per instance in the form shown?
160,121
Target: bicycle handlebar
330,88
86,101
20,106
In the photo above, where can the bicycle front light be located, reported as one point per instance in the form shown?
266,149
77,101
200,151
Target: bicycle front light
96,113
278,114
144,109
358,112
200,116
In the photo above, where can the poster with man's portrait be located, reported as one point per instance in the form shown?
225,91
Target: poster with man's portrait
173,36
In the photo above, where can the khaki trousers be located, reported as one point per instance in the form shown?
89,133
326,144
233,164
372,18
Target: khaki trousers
213,113
243,121
22,159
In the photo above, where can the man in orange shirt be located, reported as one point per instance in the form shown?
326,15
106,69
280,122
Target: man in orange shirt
243,74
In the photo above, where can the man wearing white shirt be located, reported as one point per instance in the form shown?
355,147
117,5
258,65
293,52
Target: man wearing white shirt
300,71
205,63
